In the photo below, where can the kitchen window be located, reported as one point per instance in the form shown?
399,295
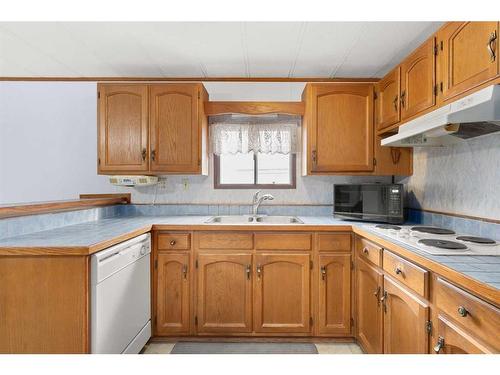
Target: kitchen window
254,151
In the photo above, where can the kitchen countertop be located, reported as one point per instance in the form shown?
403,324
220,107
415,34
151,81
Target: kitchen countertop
89,237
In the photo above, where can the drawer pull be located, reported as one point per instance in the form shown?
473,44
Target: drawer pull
323,273
172,243
398,271
462,311
365,250
439,345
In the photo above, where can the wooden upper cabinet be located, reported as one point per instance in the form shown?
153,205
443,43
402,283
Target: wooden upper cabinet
123,128
282,293
388,102
175,128
224,293
405,318
172,294
339,123
467,56
335,294
418,81
369,289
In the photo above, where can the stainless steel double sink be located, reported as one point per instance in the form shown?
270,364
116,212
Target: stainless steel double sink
248,219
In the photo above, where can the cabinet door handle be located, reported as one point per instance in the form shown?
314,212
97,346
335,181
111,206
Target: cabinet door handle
314,156
439,345
383,300
377,294
153,155
259,271
247,270
323,273
491,45
395,102
144,154
185,270
403,98
462,311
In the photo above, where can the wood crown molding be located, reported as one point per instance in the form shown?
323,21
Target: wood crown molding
254,108
85,201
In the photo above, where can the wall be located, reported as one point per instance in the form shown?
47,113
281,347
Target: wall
460,179
48,148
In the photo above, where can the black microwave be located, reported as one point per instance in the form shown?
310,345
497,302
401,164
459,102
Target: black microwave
369,202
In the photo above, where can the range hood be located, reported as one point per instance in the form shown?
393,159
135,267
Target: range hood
475,115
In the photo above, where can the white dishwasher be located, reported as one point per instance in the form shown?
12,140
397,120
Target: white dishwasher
120,297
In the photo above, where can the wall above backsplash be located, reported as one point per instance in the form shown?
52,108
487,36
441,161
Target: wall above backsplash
463,179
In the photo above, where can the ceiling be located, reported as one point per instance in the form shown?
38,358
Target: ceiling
207,49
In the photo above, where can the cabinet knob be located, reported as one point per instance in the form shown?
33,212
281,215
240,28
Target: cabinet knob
365,250
172,243
398,271
439,345
462,311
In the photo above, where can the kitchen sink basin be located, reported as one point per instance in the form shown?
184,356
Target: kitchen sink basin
246,219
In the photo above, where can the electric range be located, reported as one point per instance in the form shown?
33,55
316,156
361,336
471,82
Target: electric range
438,241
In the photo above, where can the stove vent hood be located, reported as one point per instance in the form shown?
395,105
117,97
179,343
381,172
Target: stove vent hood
475,115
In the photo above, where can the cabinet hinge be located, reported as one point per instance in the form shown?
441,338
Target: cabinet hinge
374,161
352,322
441,45
311,320
435,50
199,162
428,327
156,264
436,89
196,263
196,320
156,321
311,264
99,161
98,95
375,95
199,96
441,86
352,264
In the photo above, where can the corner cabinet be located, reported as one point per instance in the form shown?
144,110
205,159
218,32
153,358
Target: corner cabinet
338,128
152,129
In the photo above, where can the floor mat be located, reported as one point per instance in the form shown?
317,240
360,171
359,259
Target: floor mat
243,348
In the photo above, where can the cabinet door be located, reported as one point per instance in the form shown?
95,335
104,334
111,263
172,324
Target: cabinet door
418,81
335,294
468,56
282,294
224,293
123,128
172,295
369,288
405,317
175,128
454,340
388,100
341,128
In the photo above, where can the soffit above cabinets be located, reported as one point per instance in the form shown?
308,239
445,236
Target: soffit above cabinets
207,49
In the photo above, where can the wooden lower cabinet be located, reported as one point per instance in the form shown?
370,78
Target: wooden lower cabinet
405,318
224,293
454,340
172,294
369,314
282,293
335,294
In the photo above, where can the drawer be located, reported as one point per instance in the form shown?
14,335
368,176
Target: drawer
477,316
334,242
409,274
369,251
174,241
283,241
225,240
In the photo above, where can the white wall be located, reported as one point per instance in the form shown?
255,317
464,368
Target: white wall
48,146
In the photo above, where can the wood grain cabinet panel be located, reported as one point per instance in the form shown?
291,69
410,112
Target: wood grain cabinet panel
418,81
369,314
388,102
339,122
123,128
175,130
454,340
172,298
283,241
405,318
282,293
224,300
335,294
467,56
225,240
334,242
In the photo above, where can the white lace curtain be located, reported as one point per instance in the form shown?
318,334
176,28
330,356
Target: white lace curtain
275,134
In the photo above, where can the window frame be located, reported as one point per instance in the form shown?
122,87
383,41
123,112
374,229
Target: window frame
291,185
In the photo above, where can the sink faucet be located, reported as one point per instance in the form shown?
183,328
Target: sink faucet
258,200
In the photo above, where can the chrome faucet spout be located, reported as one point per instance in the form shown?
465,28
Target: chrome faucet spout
258,200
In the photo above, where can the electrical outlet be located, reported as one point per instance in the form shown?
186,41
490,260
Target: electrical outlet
185,183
